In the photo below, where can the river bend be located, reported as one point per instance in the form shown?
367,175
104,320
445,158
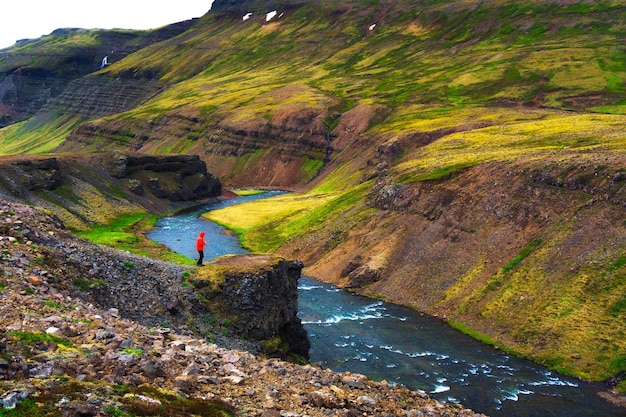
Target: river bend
397,344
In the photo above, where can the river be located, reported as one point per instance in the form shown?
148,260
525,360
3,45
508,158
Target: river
386,341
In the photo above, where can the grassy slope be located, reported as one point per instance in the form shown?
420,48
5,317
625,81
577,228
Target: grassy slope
454,85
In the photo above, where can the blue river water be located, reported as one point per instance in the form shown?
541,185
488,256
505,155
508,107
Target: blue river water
402,346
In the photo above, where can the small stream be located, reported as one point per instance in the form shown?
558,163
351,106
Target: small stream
386,341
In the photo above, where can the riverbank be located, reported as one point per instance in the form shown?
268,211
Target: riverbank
62,355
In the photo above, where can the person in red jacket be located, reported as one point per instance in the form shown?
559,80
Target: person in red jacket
200,243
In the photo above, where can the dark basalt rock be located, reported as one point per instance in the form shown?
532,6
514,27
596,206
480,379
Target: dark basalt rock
172,177
23,175
261,296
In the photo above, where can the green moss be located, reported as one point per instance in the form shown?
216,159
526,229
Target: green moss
131,351
473,333
523,254
31,408
618,308
53,304
127,232
87,284
311,168
29,338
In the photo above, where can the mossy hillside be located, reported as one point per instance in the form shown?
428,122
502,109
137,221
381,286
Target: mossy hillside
544,134
50,51
571,318
464,85
225,69
539,300
36,136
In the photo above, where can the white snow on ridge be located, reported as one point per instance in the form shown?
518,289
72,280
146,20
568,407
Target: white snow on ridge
372,26
270,16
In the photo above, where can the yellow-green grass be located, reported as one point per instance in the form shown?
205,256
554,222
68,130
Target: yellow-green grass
127,232
242,192
247,217
551,134
36,137
265,225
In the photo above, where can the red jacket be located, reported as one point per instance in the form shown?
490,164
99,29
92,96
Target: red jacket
200,242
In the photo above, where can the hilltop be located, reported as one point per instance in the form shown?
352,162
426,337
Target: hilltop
465,158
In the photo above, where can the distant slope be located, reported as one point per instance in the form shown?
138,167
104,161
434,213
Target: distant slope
34,72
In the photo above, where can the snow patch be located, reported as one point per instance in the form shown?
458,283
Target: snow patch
270,16
372,26
246,16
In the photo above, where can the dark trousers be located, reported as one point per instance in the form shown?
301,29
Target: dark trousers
201,254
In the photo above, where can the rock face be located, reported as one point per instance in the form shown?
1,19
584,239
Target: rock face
260,294
32,174
172,177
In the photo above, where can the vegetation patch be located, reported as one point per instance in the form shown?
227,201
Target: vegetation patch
128,232
242,192
148,401
523,254
30,338
260,214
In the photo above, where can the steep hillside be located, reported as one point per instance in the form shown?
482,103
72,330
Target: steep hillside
463,157
92,331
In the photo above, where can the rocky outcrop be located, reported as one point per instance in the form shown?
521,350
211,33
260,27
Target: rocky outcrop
172,177
24,174
72,186
260,295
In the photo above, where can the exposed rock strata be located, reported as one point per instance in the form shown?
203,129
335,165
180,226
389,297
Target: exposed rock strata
32,78
97,96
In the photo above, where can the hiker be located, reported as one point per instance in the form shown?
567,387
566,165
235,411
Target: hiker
200,247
